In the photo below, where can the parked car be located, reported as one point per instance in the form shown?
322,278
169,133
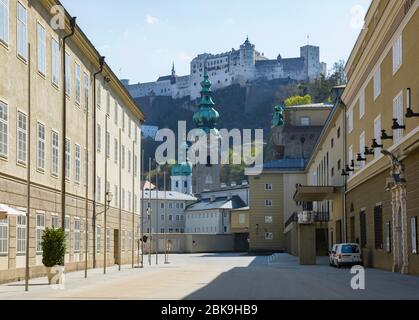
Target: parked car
345,254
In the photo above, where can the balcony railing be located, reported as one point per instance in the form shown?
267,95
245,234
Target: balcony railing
317,217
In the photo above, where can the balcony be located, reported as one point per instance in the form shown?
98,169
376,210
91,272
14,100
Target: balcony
308,217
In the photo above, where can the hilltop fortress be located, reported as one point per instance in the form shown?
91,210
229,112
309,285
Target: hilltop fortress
234,67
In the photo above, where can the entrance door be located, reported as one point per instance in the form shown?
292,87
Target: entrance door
116,246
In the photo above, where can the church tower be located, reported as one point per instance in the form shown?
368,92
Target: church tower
206,176
181,175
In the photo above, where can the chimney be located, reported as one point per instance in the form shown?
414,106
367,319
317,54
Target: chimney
213,198
229,196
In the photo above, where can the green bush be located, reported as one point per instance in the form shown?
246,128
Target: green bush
53,247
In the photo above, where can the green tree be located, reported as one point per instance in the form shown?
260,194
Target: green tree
298,100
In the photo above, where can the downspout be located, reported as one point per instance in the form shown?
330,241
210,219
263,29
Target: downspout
64,123
345,184
101,63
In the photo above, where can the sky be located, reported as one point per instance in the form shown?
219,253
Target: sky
141,38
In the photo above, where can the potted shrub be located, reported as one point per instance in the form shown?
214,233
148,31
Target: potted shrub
53,250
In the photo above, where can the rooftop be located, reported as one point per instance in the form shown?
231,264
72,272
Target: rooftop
235,202
169,195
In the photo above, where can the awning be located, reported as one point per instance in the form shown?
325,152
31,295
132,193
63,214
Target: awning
6,211
314,193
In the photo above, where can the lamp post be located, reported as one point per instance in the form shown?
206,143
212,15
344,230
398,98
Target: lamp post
166,257
149,212
108,197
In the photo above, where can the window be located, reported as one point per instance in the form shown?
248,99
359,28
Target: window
77,83
22,129
362,104
42,48
135,165
170,205
98,239
4,21
170,217
54,153
350,155
116,113
108,103
162,217
116,196
129,161
339,165
269,236
332,171
4,236
22,41
398,114
377,135
98,138
350,120
67,74
242,218
182,205
363,229
129,128
67,233
123,157
268,219
116,150
21,235
55,62
40,227
129,240
129,200
77,235
397,54
54,221
98,95
123,121
338,133
98,188
378,227
67,158
377,83
362,147
40,150
332,143
86,91
414,234
4,129
388,237
108,145
268,203
108,240
77,163
268,186
123,198
305,121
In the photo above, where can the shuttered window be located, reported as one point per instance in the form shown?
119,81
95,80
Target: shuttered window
378,227
363,229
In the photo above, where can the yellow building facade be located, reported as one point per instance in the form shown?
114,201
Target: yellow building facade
382,94
31,110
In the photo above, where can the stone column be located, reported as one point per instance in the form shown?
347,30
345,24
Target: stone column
307,244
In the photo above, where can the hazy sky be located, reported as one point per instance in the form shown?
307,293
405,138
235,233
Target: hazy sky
141,38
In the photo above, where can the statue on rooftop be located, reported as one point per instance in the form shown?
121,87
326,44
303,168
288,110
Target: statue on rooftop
278,116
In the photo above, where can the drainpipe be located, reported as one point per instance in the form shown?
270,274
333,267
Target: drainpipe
101,63
345,184
64,122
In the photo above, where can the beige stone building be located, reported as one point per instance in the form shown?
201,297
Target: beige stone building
382,94
31,132
322,195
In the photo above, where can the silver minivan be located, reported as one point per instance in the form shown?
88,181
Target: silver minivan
345,254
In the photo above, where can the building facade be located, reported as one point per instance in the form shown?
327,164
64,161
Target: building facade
382,97
167,211
234,67
31,108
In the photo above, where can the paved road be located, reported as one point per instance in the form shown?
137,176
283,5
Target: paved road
222,276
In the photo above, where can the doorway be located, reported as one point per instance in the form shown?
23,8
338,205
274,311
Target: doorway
116,246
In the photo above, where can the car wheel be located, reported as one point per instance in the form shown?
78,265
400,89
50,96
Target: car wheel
337,265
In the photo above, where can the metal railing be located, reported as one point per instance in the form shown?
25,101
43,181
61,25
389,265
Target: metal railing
318,217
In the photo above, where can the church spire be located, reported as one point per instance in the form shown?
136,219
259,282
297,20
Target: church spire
173,69
207,117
